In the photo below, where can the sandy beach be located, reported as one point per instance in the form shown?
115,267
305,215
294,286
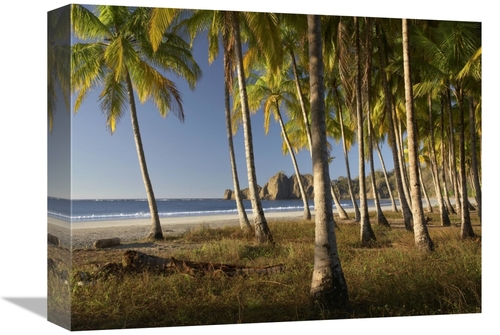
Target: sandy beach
83,234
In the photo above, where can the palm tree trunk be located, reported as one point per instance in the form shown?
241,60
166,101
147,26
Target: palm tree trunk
262,232
422,238
424,190
242,214
328,285
381,219
342,213
389,189
452,162
301,100
366,233
474,155
466,227
407,215
155,233
445,220
307,212
357,214
451,209
401,158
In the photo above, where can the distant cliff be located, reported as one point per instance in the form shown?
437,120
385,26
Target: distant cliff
279,187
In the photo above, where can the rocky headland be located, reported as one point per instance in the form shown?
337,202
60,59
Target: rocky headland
279,187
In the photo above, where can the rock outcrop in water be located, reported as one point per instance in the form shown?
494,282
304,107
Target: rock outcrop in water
279,187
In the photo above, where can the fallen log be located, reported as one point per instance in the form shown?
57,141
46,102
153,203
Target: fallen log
107,242
137,261
52,239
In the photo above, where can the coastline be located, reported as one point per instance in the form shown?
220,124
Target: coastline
83,234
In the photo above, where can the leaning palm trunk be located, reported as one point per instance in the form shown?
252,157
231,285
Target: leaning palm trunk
422,238
446,196
262,232
424,190
466,227
301,100
474,155
389,189
307,212
445,220
155,233
381,219
341,211
401,159
242,214
452,162
366,233
407,215
357,215
328,285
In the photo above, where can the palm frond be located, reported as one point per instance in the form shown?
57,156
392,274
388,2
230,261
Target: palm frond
86,25
113,100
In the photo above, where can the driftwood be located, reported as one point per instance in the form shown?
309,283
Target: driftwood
138,261
52,239
135,262
107,242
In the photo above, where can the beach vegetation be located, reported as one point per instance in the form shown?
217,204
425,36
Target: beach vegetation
387,278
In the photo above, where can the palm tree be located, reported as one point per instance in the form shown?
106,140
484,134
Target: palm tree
244,222
262,232
422,238
328,285
367,233
383,54
273,90
381,219
217,24
58,71
345,70
120,55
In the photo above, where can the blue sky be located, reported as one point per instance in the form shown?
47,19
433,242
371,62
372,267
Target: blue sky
185,160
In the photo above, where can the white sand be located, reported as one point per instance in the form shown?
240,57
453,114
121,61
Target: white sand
83,234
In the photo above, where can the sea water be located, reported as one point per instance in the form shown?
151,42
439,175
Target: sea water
120,209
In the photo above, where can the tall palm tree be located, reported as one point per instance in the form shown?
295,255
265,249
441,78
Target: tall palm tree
262,232
217,25
244,222
346,69
271,91
422,238
119,54
367,233
381,219
328,285
445,220
383,54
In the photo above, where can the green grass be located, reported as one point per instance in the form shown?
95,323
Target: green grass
388,278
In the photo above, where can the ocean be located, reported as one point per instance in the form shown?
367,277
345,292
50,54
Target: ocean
122,209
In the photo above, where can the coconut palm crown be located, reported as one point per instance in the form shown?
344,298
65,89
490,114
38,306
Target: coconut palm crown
115,52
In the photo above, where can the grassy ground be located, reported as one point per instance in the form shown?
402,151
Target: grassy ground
388,278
